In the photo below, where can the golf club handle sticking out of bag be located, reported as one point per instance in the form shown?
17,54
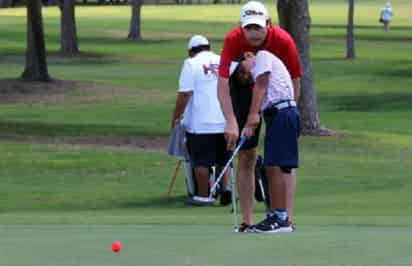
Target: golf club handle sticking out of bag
229,162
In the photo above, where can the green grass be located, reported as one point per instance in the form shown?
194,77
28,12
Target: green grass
154,64
203,245
370,175
64,204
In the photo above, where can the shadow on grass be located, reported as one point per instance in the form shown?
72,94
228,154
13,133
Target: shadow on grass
43,129
399,73
377,26
161,202
122,41
17,55
155,202
368,33
384,102
365,37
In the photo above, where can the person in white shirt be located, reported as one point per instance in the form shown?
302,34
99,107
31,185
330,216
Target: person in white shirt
203,119
386,16
273,95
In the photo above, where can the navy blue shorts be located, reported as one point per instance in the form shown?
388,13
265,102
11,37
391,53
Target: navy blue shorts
281,138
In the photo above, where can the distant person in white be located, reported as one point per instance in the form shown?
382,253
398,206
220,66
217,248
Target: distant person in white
386,16
203,119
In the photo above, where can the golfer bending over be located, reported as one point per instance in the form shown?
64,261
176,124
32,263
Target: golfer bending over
254,33
273,95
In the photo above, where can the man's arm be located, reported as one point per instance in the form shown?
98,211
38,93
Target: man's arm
181,102
290,57
186,87
232,128
296,89
223,91
259,91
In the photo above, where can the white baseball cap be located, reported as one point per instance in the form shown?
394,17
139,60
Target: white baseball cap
253,12
197,40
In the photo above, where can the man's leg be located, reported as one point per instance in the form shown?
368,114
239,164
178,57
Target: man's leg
386,25
277,218
246,183
222,158
278,185
202,180
281,148
201,157
290,194
282,188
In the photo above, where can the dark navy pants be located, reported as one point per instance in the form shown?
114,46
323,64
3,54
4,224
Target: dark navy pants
281,137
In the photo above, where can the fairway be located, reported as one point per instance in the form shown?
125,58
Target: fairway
177,245
84,164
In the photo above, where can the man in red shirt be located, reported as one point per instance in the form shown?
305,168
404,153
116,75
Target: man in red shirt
254,33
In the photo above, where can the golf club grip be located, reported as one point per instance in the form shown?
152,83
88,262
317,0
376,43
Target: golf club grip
242,141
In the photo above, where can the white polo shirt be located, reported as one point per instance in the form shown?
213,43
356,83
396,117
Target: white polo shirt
203,114
280,83
387,13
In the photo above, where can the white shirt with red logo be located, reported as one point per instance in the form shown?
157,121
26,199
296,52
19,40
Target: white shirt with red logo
203,114
280,83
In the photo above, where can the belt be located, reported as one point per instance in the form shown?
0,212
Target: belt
281,105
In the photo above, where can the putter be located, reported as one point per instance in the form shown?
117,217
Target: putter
234,204
233,181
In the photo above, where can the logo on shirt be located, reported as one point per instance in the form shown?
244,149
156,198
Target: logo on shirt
211,68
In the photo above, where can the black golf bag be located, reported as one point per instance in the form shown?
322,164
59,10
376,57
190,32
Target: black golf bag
261,183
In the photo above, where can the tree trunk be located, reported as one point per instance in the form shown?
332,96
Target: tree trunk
350,38
68,35
36,63
294,17
134,33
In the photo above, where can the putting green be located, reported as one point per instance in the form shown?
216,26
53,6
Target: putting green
179,245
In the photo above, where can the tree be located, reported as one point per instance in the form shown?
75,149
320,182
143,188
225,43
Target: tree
350,38
36,63
294,17
134,32
68,35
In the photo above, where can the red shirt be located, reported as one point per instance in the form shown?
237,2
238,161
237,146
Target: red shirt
278,42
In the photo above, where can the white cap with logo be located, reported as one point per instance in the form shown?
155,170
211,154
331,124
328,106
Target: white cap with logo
253,12
197,40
